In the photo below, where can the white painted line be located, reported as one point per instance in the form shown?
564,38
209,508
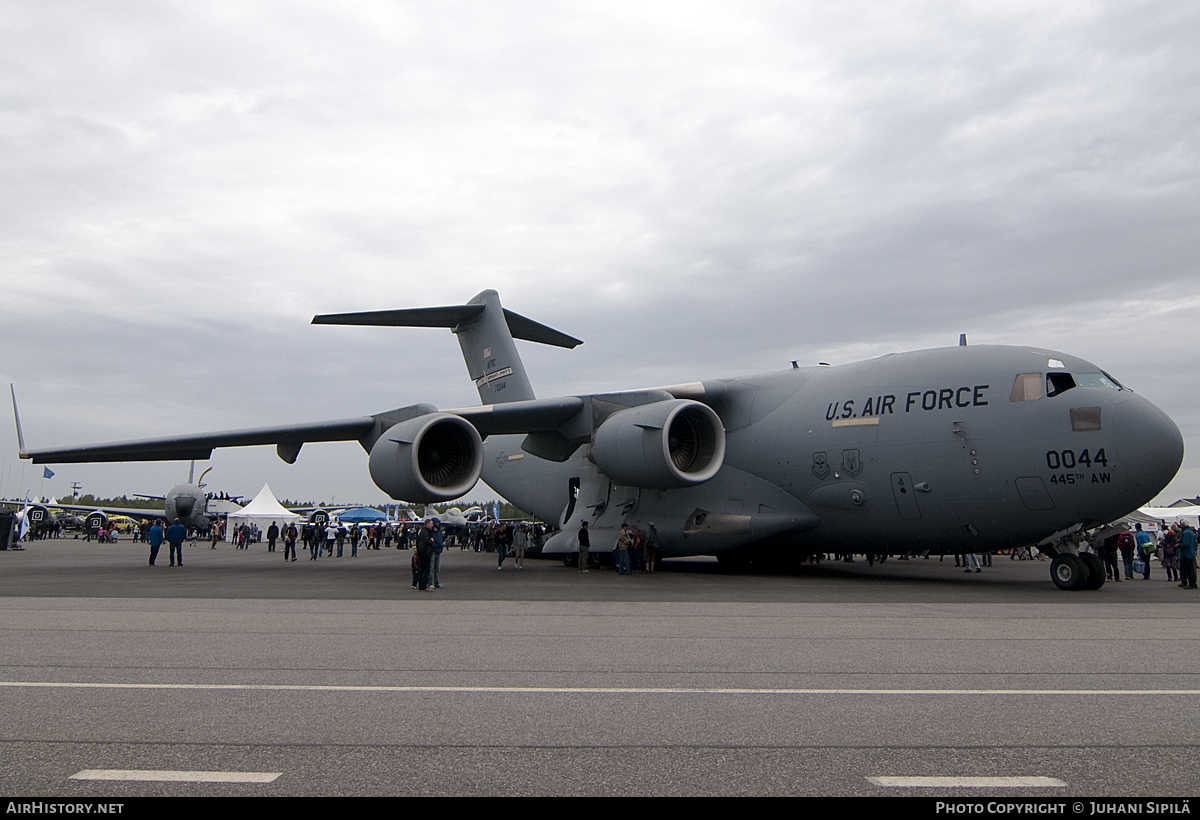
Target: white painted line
175,777
588,690
968,782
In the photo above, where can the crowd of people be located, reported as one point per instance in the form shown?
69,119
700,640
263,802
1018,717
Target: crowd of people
635,551
1123,552
1174,548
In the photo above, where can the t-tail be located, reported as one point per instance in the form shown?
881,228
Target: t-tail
485,333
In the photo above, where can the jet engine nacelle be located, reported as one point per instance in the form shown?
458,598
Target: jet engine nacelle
39,515
94,521
665,445
435,457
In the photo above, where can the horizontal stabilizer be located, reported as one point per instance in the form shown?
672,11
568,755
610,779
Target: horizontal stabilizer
531,331
452,316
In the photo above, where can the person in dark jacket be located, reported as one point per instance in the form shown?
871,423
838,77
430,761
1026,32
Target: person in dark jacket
175,535
424,554
585,546
155,538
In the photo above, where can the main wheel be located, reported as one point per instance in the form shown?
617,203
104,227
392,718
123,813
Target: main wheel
1095,569
1069,572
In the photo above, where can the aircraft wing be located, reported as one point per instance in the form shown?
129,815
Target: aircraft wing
200,446
533,416
129,512
514,417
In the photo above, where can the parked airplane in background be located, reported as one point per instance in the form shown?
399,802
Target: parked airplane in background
952,450
456,516
184,503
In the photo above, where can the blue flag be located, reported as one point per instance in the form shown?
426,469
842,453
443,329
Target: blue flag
47,472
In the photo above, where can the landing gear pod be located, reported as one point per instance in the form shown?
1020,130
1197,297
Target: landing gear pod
435,457
663,446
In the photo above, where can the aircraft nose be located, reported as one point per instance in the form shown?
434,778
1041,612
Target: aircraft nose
1151,446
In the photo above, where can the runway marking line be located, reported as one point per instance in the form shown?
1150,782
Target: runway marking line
589,690
175,777
951,782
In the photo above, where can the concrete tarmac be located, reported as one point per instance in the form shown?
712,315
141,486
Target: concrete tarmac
334,677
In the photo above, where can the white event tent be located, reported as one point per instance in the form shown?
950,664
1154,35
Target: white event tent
1153,515
264,509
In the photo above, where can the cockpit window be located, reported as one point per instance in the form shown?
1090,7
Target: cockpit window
1097,380
1032,386
1028,386
1057,383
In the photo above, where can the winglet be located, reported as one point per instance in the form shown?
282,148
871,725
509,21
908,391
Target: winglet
21,451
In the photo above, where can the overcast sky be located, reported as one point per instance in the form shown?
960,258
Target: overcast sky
694,189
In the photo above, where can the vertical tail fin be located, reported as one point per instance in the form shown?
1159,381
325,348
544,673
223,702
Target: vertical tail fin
491,354
485,333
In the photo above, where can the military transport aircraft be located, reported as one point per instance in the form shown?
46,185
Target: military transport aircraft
455,516
952,450
185,503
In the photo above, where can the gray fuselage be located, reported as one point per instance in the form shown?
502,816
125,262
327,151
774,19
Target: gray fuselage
930,450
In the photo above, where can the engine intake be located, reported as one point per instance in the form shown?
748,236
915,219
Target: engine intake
94,521
665,445
435,457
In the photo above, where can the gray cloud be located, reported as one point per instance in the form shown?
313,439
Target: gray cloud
696,190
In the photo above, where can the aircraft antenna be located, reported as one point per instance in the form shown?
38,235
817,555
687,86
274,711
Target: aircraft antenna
962,340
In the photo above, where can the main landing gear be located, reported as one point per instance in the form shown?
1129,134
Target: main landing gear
1072,571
